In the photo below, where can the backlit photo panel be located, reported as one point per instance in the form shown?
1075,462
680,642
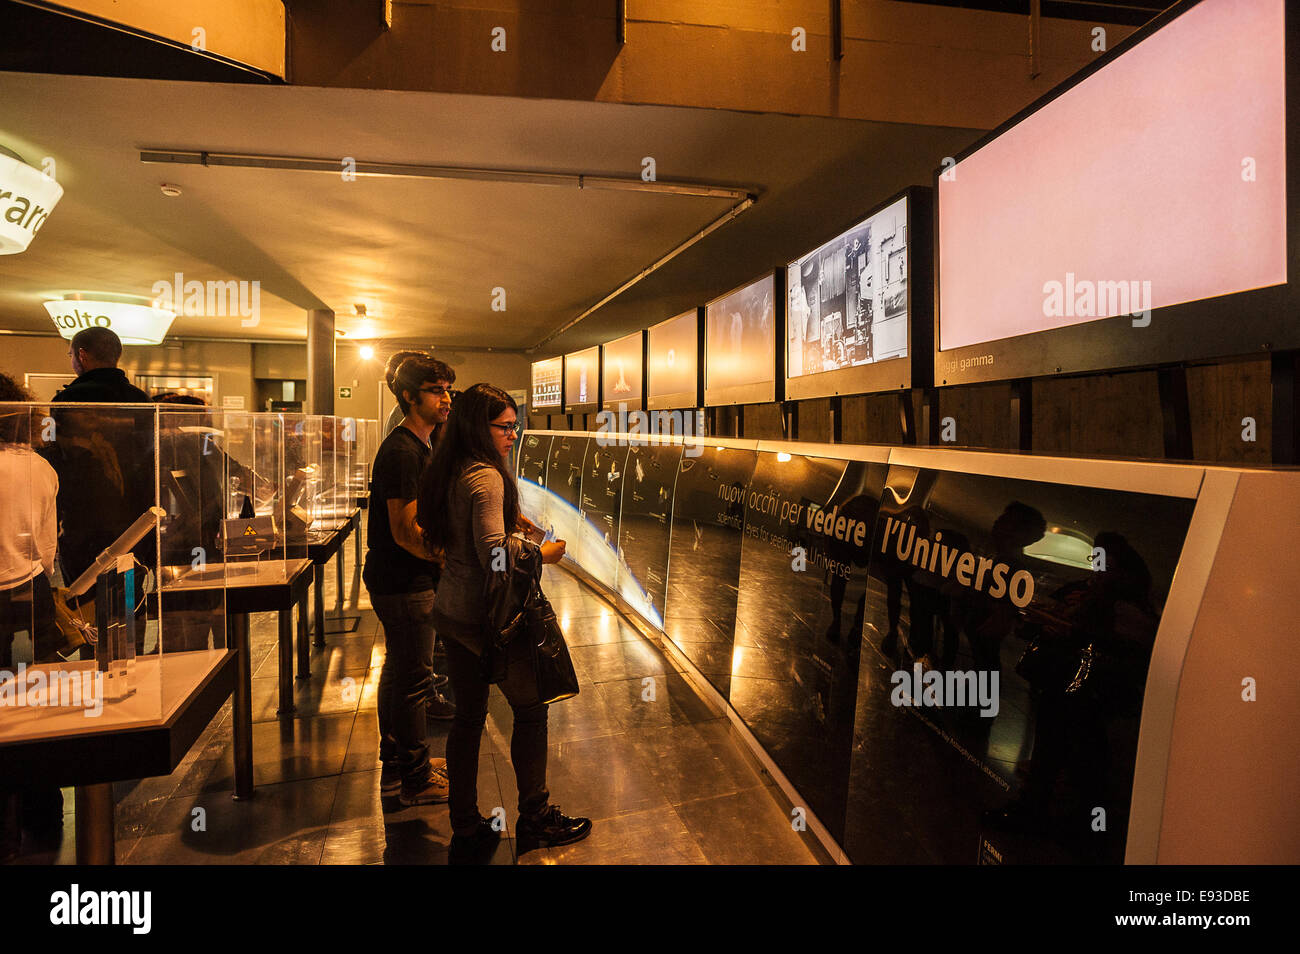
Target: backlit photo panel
740,345
673,363
1156,181
622,380
547,380
582,381
847,301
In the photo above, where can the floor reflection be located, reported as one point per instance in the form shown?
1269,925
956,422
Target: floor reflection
664,778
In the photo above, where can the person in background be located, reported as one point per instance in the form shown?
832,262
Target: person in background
28,540
469,505
181,400
95,353
104,457
192,492
401,573
28,533
395,360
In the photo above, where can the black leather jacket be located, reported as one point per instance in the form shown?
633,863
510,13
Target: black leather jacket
506,593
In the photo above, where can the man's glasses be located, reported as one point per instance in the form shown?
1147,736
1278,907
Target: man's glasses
514,427
437,390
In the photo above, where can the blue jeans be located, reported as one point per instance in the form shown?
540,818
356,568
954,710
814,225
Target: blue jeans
406,679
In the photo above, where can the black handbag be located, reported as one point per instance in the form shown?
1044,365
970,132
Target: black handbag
521,628
556,678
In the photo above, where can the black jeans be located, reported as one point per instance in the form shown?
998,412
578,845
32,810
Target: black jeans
527,739
28,607
406,679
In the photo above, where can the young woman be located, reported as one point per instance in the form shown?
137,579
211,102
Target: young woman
468,506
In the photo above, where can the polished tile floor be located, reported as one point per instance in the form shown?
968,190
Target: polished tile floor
661,774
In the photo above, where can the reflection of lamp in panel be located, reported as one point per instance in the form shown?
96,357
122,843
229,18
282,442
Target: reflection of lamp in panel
911,485
1064,546
737,660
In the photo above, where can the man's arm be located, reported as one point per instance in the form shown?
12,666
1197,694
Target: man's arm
406,531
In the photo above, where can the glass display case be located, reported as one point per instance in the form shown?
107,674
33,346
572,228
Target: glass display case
304,460
361,456
336,501
100,502
262,532
374,436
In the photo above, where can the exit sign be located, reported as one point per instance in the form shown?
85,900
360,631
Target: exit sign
345,392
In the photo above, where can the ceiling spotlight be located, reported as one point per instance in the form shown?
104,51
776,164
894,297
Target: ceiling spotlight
367,352
169,190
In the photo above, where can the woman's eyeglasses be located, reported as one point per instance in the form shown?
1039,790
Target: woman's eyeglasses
514,428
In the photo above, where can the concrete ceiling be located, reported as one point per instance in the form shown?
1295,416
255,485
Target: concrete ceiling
424,255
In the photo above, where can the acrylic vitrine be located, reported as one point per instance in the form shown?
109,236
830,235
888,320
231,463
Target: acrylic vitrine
361,454
262,534
99,502
374,435
304,459
338,443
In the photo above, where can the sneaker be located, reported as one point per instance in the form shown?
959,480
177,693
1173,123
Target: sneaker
432,791
439,707
390,776
551,827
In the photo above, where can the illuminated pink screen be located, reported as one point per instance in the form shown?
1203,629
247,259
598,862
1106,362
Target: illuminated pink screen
1160,179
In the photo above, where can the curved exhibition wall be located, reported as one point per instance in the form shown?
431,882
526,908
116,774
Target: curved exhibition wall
950,656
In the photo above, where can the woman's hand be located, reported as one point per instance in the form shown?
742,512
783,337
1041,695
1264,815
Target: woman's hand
530,530
553,552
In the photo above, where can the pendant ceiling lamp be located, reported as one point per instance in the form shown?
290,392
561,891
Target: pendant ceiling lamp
27,196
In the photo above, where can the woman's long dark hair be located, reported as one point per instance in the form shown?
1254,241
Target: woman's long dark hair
465,439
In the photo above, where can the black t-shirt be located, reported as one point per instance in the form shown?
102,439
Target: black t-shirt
390,567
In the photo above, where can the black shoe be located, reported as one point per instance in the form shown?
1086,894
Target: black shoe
551,827
439,708
475,849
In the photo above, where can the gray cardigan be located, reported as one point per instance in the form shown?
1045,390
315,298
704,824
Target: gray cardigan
475,527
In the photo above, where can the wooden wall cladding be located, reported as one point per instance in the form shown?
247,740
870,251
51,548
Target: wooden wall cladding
872,419
1101,416
1105,415
1220,396
763,422
980,416
815,420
